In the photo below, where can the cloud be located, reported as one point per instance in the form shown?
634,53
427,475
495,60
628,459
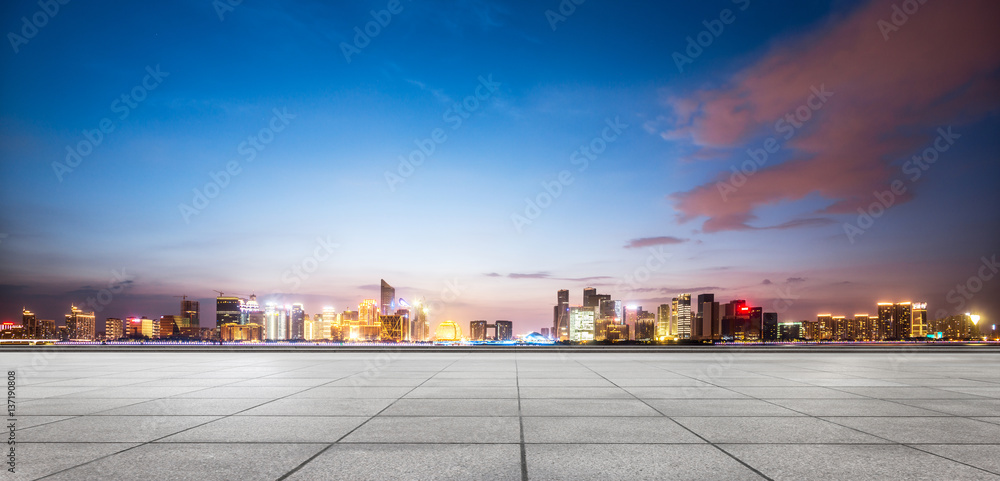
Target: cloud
536,275
654,241
889,98
767,282
492,274
795,280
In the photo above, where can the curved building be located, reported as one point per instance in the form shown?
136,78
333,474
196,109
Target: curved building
448,331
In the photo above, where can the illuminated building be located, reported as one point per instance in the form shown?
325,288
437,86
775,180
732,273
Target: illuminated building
227,310
242,332
769,327
664,328
790,331
504,330
867,329
645,326
275,322
824,327
114,328
350,324
404,313
560,316
581,323
192,310
80,325
477,330
840,328
708,325
618,332
297,322
393,328
589,297
368,324
177,327
601,328
894,320
611,309
30,323
331,324
421,324
250,312
388,298
47,329
680,309
919,327
955,328
138,327
448,331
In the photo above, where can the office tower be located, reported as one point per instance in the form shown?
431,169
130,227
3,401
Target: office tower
645,326
589,297
114,328
368,322
297,322
392,328
611,309
903,317
47,329
504,330
839,327
421,323
169,326
618,332
919,327
789,331
663,327
276,326
448,331
477,330
867,329
708,324
388,299
192,310
250,312
756,324
769,326
735,324
680,308
545,333
331,323
80,325
227,310
824,327
30,324
601,326
581,323
350,325
560,316
141,327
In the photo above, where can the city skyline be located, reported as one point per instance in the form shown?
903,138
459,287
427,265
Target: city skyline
485,154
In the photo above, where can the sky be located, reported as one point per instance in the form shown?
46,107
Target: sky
809,157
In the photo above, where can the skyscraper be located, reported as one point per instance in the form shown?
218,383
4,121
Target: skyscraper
30,324
80,325
275,322
664,327
504,330
560,316
387,306
581,323
369,328
894,320
589,297
645,326
770,327
681,310
919,328
421,324
227,310
331,324
250,312
297,322
477,330
192,310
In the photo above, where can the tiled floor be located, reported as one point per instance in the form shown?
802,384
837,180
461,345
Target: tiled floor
528,414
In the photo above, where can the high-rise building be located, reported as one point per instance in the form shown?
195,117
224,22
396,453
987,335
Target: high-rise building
824,327
114,328
250,312
903,320
560,316
545,333
680,309
141,327
276,322
618,332
47,329
919,327
30,324
645,326
477,330
369,328
664,328
581,323
504,330
754,331
894,320
331,324
611,309
297,322
227,310
590,297
790,331
388,299
867,328
769,326
192,310
421,323
80,325
393,328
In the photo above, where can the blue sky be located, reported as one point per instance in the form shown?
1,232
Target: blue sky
450,222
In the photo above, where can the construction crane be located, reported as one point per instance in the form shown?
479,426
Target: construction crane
183,298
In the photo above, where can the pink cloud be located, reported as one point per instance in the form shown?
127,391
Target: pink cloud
890,96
